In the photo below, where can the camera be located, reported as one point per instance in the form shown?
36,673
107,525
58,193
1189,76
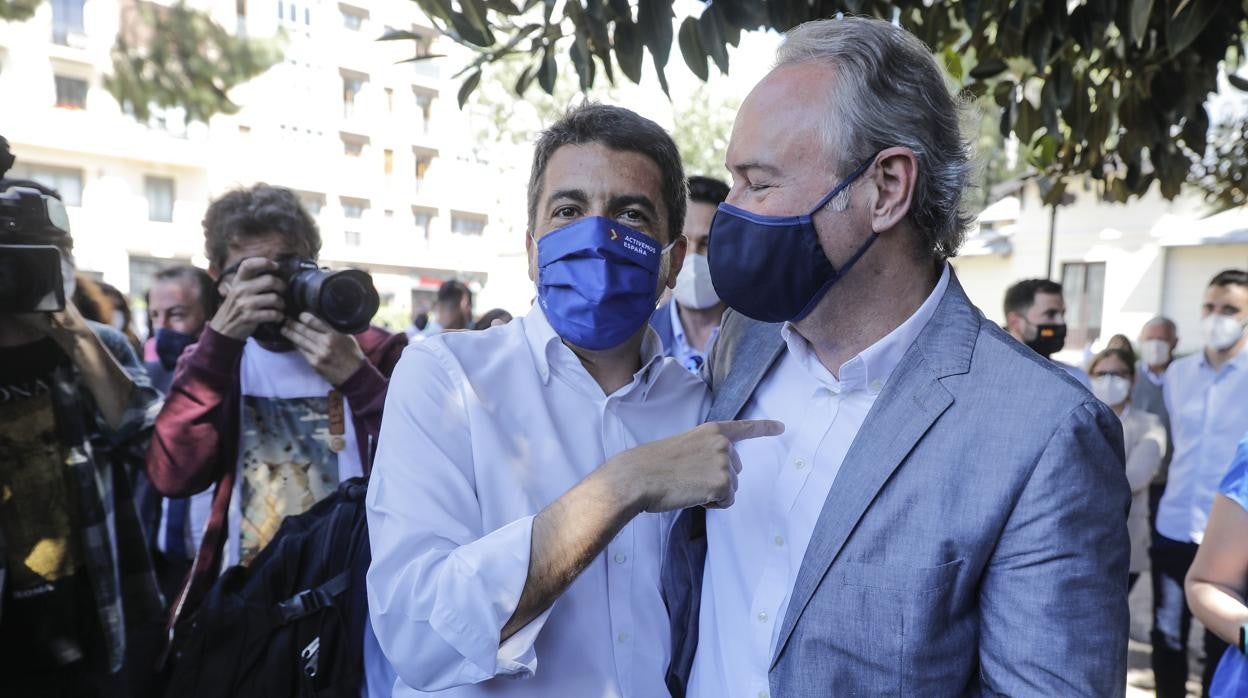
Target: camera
346,300
30,269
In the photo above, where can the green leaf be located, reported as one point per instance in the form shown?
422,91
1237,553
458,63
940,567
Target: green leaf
583,63
1188,22
1237,81
988,68
691,48
628,53
654,18
548,72
1140,10
711,37
1053,197
465,90
525,80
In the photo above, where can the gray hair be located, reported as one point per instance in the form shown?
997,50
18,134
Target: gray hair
892,93
1165,322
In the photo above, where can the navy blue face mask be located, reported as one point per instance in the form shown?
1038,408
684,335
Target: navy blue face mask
597,281
772,268
170,345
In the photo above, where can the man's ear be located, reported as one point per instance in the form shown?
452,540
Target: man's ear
895,175
530,250
676,260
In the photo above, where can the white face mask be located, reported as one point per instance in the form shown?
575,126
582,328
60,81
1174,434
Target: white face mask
1111,390
693,284
1221,331
1155,352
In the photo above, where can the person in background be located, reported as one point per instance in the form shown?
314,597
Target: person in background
79,606
179,304
274,411
1158,339
1035,314
689,322
1112,373
1217,583
1205,397
453,308
420,320
492,318
1121,342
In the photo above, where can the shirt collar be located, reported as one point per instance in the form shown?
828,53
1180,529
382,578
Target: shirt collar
871,368
549,350
678,331
1239,361
1147,372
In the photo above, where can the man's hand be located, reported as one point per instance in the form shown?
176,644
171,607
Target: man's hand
63,326
698,467
333,355
253,297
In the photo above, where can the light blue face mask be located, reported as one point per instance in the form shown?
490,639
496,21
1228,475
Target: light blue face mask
597,281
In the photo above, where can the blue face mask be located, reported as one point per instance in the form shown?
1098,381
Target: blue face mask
597,281
772,268
170,345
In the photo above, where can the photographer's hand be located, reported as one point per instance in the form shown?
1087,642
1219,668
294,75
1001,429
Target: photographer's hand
333,355
253,297
107,381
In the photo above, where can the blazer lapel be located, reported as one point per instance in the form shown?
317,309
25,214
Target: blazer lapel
910,403
759,347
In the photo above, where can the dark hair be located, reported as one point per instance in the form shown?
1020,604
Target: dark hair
453,293
1021,296
1129,349
421,320
197,278
1119,354
1230,277
254,212
618,129
707,190
487,321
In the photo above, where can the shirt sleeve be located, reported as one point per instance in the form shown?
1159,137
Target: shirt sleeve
1235,485
1144,458
440,588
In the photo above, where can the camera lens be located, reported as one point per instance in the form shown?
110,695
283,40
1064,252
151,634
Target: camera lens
347,300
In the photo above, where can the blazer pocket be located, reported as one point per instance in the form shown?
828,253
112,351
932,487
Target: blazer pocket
895,577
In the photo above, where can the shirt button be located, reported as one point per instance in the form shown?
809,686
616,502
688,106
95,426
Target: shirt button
762,616
779,541
623,637
621,558
799,464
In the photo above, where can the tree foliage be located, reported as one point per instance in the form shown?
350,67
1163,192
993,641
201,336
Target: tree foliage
18,10
1113,89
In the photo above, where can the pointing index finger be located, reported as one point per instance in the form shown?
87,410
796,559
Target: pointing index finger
742,429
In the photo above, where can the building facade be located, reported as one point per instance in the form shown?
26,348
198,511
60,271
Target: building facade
374,144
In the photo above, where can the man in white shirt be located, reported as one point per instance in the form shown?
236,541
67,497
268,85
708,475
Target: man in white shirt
1206,396
513,506
1035,314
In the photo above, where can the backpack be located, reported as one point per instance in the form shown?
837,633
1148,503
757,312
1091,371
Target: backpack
292,622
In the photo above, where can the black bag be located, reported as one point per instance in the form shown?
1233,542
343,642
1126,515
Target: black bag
292,622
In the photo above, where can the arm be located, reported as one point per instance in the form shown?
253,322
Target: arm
199,419
1053,602
1144,460
1217,582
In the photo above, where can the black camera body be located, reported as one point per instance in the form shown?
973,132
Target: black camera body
30,269
345,300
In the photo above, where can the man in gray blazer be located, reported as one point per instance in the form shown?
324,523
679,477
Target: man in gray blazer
945,513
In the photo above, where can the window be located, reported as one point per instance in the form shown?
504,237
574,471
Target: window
352,147
307,16
66,181
66,20
422,219
352,20
422,168
467,225
351,238
71,93
389,157
312,203
424,103
424,45
353,208
159,192
390,100
1083,287
351,87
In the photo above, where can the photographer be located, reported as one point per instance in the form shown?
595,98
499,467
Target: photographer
73,400
273,409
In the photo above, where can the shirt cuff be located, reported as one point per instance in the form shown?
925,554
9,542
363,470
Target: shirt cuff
489,576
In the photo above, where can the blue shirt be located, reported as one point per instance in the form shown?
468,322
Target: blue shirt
1235,485
1208,415
689,357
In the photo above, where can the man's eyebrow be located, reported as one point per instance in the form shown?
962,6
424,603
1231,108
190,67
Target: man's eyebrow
577,195
754,165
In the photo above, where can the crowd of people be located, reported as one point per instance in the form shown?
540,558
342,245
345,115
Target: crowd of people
750,440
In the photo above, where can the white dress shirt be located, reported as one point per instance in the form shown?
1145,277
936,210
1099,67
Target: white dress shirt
756,546
1208,417
482,430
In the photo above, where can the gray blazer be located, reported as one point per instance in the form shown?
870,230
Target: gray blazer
973,543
